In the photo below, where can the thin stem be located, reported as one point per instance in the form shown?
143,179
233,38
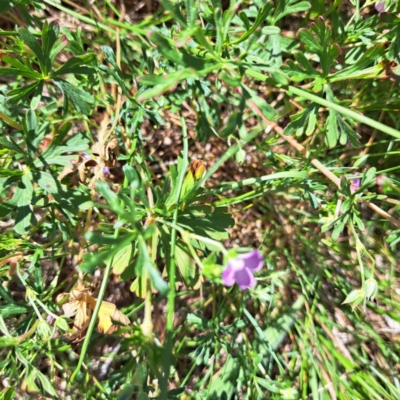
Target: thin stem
9,121
118,58
172,270
186,235
345,111
96,310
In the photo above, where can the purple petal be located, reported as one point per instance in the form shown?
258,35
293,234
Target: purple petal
357,182
228,276
106,171
236,264
245,278
380,6
253,260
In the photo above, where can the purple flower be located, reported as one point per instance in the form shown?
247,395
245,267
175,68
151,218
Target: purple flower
355,185
85,155
380,6
106,171
242,268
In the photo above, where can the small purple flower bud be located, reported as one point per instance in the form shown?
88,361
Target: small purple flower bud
85,155
380,6
49,319
241,269
355,185
106,171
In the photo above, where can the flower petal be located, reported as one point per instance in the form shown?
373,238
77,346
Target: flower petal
236,264
228,276
253,260
245,278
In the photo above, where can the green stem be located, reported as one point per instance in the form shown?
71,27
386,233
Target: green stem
258,181
167,357
345,111
186,235
171,273
9,121
93,320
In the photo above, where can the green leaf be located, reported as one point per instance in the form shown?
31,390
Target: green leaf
163,83
81,100
34,45
203,127
224,385
332,131
339,227
319,40
47,386
285,7
270,30
261,16
50,33
23,69
168,48
147,263
359,69
304,121
13,309
98,259
24,220
75,66
5,71
30,125
10,144
46,181
114,74
198,319
60,45
110,196
186,265
54,153
5,5
206,221
175,9
22,93
245,20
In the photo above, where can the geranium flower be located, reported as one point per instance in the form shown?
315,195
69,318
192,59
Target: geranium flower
241,269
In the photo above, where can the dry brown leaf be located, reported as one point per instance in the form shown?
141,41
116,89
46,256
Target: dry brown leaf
107,152
80,308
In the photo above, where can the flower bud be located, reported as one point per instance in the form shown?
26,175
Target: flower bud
354,298
44,330
371,288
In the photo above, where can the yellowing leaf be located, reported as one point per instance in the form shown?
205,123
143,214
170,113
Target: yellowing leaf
121,260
